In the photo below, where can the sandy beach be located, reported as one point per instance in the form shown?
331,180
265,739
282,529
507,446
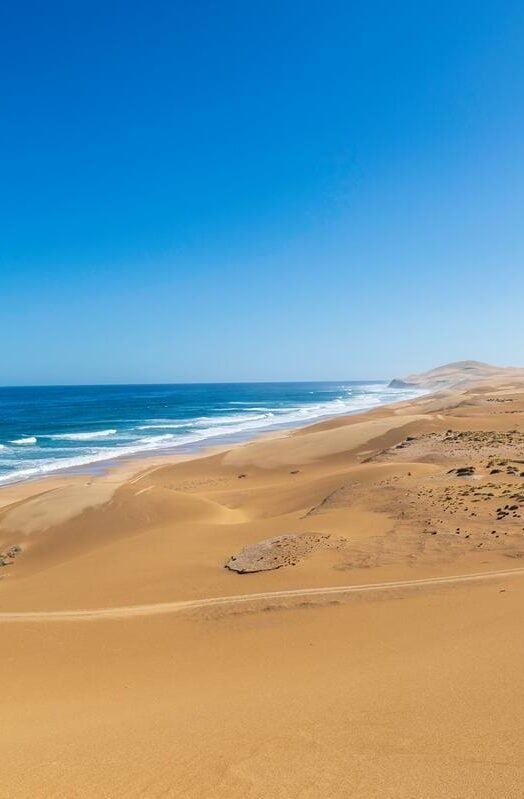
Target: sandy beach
262,401
364,640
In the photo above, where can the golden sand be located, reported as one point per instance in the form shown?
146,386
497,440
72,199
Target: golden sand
386,662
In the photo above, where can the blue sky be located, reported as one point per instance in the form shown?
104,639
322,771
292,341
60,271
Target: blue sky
257,191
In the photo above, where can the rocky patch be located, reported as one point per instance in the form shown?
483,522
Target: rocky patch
282,550
7,558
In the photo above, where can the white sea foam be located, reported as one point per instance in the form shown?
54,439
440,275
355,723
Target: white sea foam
167,425
153,440
201,429
27,441
205,421
36,468
87,436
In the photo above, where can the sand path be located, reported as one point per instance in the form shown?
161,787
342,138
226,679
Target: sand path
160,608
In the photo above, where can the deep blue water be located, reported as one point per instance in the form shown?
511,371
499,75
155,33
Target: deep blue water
44,429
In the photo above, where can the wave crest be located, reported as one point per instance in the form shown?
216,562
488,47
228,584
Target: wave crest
87,436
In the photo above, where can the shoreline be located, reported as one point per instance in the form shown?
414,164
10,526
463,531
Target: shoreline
325,446
104,468
372,583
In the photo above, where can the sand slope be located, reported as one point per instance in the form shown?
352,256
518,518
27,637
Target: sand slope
459,374
387,664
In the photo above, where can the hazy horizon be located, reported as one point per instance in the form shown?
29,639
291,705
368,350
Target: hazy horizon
195,383
304,381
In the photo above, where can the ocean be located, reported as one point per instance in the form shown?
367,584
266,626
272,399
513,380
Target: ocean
47,429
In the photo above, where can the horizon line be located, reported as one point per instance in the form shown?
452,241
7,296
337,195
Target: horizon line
197,383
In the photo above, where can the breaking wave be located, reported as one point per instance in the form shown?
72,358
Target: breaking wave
192,425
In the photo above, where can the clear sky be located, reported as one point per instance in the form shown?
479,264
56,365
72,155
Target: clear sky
259,190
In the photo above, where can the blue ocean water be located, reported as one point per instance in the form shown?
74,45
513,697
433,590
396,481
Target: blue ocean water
46,429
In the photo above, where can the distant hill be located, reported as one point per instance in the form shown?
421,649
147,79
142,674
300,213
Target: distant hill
458,373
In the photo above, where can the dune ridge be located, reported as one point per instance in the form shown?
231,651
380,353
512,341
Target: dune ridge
459,373
136,665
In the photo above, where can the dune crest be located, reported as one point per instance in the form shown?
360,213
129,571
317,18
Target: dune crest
372,646
457,374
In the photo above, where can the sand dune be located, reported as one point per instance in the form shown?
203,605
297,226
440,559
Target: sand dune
385,664
460,374
269,598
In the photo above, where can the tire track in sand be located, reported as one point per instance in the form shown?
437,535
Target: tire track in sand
161,608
